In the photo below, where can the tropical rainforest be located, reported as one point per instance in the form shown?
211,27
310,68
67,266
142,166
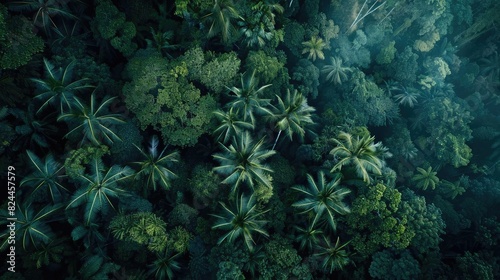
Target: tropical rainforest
259,139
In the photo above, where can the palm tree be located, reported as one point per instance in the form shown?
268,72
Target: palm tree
230,124
58,87
93,122
336,73
323,199
292,115
406,96
334,256
243,220
246,99
44,11
155,166
219,20
242,162
98,189
46,176
308,236
96,266
359,152
164,266
33,133
451,190
425,178
314,47
31,226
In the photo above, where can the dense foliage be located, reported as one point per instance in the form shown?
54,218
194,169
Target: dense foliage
260,139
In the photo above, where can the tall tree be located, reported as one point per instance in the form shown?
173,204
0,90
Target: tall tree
46,176
314,47
361,153
324,199
292,115
98,189
230,124
242,162
336,72
31,225
93,121
425,178
220,20
243,220
58,87
155,165
246,98
334,256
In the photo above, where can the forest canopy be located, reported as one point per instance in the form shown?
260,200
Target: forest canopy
260,139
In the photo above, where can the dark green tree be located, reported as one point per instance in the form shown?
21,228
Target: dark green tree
230,125
336,72
99,189
314,48
242,220
164,266
308,237
44,12
93,121
155,165
34,133
220,20
110,24
360,152
258,27
246,98
333,256
389,265
46,176
377,221
292,115
145,228
32,227
18,43
58,87
425,178
161,96
324,199
243,162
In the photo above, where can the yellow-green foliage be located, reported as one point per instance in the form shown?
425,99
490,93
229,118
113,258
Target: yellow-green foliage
204,185
376,221
161,96
77,160
144,228
178,239
18,43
